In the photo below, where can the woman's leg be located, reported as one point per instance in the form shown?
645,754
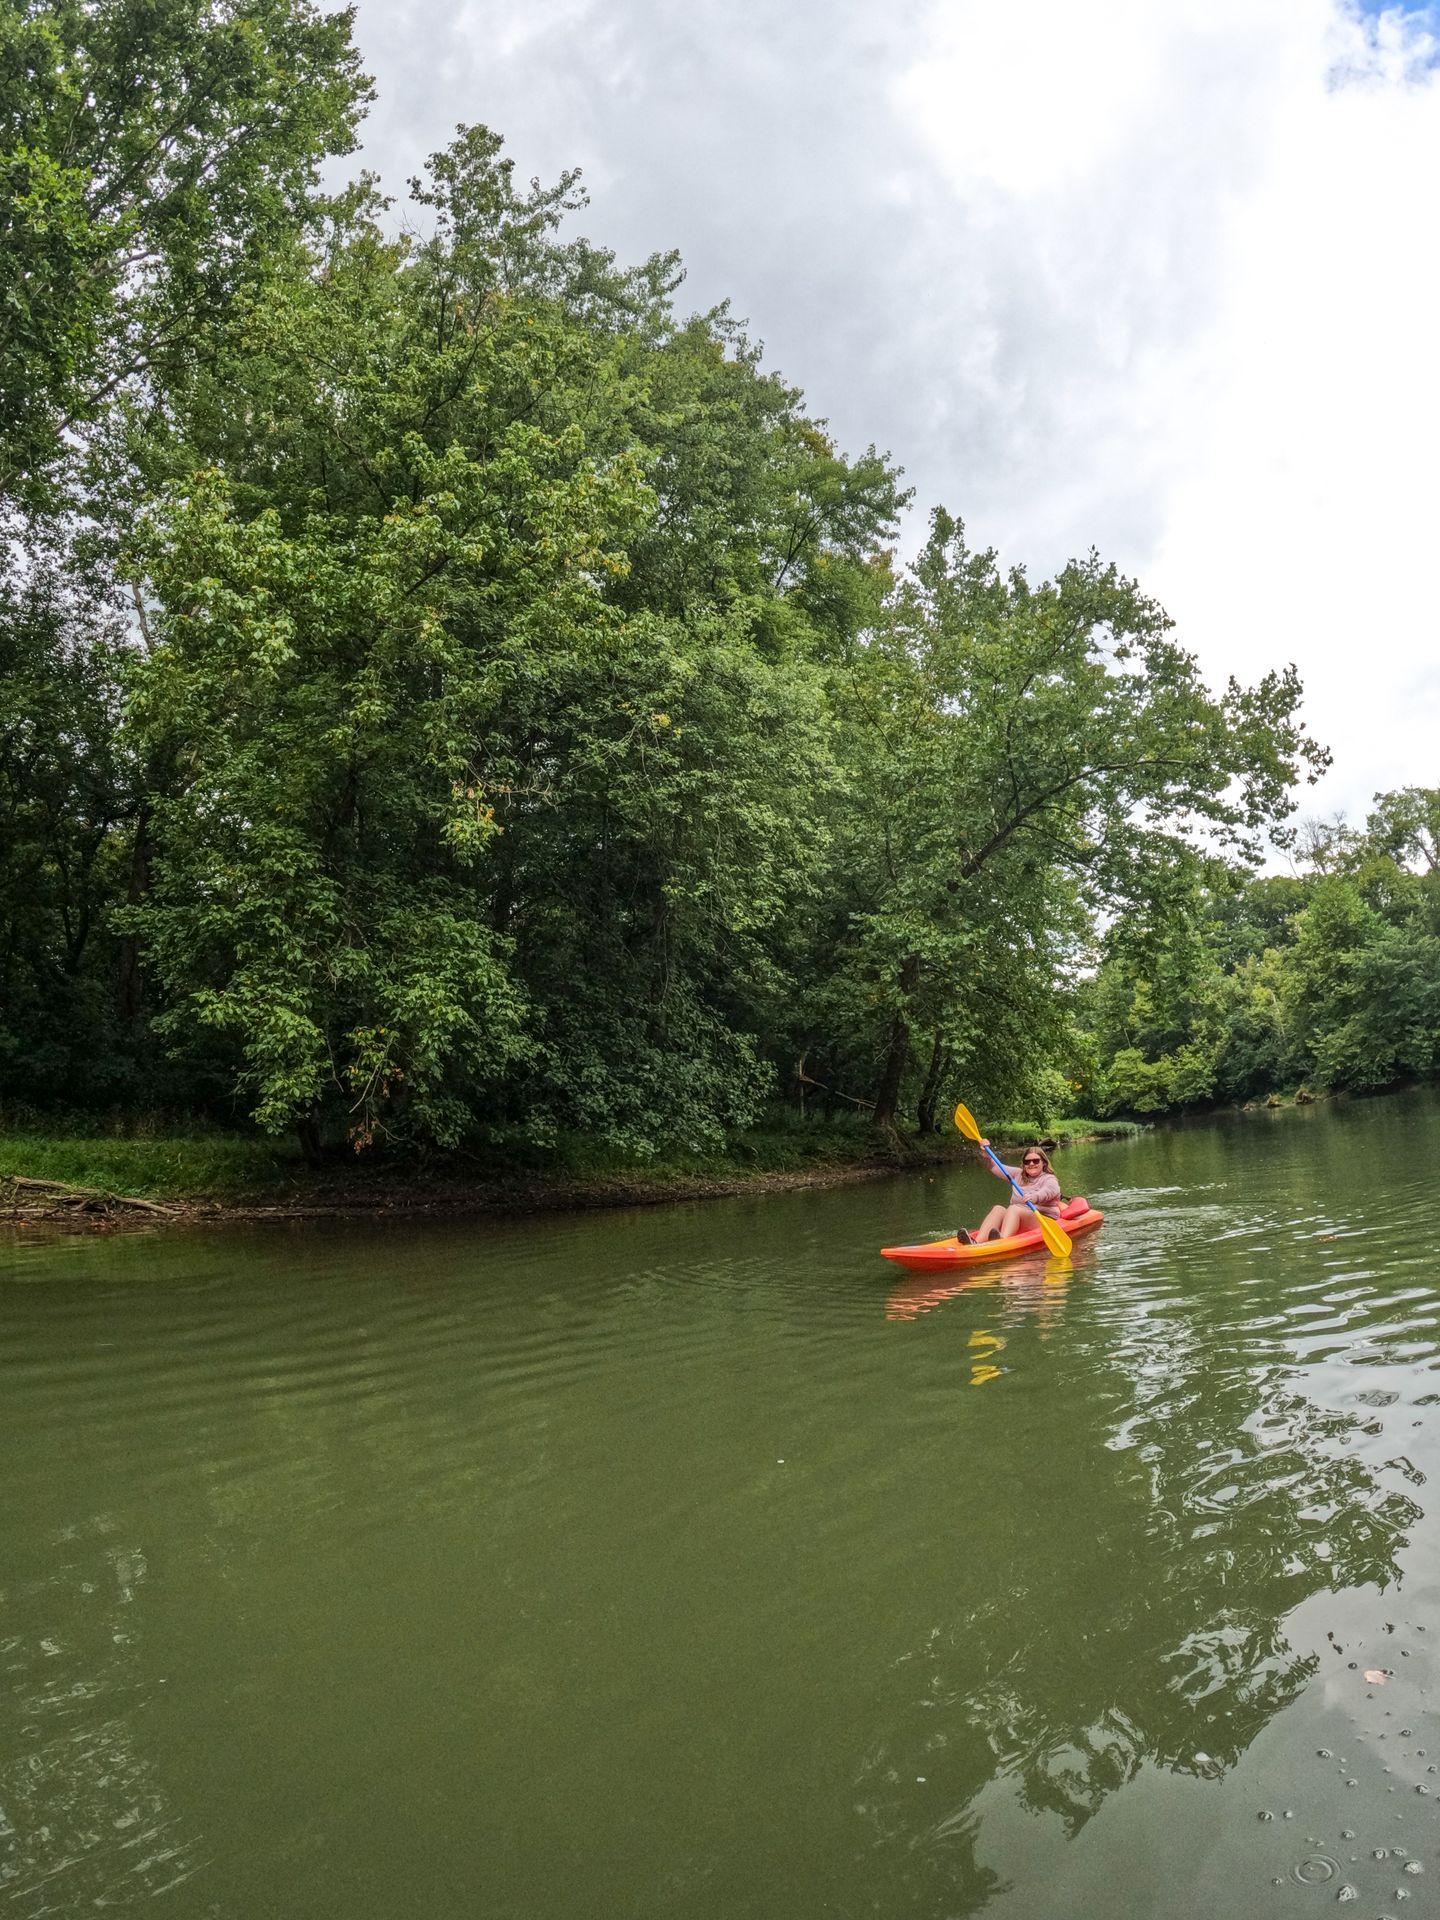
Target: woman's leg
1017,1219
990,1225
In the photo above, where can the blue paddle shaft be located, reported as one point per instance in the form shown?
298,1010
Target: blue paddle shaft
1000,1167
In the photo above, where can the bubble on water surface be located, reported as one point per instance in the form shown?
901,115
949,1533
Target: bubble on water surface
1316,1870
1413,1866
1348,1893
1262,1815
1324,1753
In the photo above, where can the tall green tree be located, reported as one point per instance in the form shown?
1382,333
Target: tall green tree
1024,754
551,784
150,155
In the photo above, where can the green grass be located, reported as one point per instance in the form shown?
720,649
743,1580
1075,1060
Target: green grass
1075,1128
151,1161
147,1167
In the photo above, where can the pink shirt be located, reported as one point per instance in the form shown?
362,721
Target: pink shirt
1042,1190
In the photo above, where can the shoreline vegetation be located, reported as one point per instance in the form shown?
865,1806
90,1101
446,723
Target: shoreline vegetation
84,1176
463,714
457,699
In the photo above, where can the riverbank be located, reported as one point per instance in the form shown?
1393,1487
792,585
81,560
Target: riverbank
75,1176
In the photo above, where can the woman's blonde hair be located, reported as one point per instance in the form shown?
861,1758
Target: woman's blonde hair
1033,1148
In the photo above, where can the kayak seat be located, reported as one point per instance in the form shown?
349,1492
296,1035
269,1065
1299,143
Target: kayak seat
1073,1209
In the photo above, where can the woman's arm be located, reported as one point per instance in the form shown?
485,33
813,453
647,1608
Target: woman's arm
1044,1193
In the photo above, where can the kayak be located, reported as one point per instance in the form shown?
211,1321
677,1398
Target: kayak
1076,1216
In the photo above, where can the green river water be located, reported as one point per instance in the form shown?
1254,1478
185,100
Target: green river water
694,1561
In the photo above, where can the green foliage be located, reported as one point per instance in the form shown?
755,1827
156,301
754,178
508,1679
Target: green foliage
1020,756
448,693
157,1165
1330,979
150,156
64,816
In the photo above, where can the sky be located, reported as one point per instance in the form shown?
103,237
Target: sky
1158,277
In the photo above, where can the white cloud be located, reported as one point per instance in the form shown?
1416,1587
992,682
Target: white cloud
1157,279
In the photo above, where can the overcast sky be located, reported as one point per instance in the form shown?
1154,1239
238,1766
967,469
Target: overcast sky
1154,276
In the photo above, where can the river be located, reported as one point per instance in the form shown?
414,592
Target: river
695,1561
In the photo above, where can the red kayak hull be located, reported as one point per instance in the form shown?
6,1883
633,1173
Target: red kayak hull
934,1256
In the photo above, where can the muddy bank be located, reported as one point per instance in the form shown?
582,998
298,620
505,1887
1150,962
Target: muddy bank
455,1191
51,1202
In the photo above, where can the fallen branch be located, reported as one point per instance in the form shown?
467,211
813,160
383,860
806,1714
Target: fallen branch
805,1080
82,1199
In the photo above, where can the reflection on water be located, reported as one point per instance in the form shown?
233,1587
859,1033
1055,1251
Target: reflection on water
1151,1629
1033,1285
685,1561
85,1817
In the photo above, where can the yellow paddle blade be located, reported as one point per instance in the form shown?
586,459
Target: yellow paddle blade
965,1121
1053,1234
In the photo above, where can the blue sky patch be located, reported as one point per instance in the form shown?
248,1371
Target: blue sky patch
1422,27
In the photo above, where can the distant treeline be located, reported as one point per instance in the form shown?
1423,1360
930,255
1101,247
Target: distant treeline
1328,980
446,687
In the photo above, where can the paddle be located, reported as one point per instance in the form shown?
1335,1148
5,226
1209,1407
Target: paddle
1051,1232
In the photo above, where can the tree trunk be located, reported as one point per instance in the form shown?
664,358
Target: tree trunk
930,1092
130,982
887,1098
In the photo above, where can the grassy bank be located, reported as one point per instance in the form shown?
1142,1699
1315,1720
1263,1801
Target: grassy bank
199,1170
231,1171
175,1167
1064,1133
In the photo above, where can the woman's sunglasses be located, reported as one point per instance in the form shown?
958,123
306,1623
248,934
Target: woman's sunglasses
1032,1163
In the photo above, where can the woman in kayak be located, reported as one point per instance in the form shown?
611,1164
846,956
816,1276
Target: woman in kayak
1040,1188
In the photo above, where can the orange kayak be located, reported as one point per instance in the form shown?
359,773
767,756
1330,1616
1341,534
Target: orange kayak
1077,1216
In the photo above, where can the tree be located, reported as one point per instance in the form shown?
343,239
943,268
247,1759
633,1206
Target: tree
64,802
1025,754
468,818
151,156
331,693
1405,825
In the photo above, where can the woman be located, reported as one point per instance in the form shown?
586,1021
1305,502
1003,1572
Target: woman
1040,1188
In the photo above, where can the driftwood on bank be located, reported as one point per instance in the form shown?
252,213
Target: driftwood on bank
804,1080
24,1199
